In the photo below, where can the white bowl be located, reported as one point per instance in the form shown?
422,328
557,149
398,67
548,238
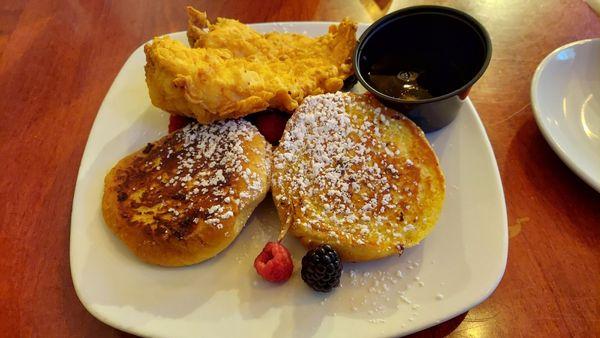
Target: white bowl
565,94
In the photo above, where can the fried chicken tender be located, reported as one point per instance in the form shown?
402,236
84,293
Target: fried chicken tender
233,71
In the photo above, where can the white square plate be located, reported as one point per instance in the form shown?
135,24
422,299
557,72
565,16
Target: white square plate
454,269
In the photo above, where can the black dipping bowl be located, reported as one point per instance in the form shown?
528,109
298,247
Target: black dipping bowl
448,49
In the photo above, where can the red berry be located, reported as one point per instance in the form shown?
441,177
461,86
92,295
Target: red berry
177,122
274,263
271,124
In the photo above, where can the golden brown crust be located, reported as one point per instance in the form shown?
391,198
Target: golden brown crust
186,197
360,177
233,71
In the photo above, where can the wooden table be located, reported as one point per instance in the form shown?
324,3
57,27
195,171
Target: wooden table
58,59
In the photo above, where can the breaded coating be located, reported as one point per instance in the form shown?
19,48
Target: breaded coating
233,71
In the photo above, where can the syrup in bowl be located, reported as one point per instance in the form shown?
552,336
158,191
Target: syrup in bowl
409,78
422,62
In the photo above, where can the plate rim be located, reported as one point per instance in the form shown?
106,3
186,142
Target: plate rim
593,182
475,300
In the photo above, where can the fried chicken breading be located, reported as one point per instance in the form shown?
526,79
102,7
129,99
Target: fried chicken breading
233,71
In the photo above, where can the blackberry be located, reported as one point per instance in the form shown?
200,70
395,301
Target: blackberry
322,268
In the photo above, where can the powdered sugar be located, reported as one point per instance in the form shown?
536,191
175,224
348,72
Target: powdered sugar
207,164
336,148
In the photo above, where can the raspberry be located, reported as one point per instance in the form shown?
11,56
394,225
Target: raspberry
322,268
177,122
271,124
274,263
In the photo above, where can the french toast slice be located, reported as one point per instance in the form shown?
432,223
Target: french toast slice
353,174
186,197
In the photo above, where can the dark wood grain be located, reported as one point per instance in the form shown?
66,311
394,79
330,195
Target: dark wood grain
58,59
